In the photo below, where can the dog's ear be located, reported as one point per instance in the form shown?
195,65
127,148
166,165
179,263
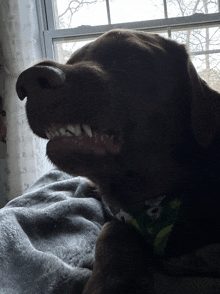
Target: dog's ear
205,108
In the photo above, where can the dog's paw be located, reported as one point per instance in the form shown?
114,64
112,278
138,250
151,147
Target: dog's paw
93,191
122,260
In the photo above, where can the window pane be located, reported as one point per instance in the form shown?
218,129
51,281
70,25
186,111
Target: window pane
73,13
138,10
177,8
63,50
199,39
162,34
208,67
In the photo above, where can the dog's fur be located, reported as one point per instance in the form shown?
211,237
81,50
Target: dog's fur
144,89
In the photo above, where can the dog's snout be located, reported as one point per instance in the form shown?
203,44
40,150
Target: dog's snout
38,78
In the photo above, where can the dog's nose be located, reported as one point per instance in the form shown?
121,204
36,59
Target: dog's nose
39,77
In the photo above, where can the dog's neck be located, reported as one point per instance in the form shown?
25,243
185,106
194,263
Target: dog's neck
176,224
154,219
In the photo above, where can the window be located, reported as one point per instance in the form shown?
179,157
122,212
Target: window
67,25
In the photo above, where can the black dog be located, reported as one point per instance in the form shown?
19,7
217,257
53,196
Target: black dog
130,112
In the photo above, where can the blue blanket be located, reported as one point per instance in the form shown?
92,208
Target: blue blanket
47,243
48,235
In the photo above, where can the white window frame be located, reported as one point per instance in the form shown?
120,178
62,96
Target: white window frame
48,33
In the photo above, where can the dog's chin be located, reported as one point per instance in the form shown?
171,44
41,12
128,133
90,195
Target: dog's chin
96,158
82,164
118,186
106,162
84,155
99,161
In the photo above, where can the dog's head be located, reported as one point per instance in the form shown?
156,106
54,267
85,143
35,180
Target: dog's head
127,110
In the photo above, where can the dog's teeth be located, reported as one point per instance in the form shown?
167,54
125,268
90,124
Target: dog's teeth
68,134
53,132
68,131
71,129
62,131
76,130
57,133
48,135
87,130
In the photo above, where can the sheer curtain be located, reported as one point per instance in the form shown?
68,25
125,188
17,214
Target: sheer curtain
19,39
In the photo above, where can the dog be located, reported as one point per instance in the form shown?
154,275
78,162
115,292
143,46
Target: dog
130,112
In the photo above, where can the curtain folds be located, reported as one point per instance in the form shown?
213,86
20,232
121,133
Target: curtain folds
19,39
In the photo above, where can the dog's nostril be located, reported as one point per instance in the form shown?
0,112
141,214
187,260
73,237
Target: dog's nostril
155,210
22,92
43,82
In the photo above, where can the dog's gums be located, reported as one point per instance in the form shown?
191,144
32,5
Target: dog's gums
98,143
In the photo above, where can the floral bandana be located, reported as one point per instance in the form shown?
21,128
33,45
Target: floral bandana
154,219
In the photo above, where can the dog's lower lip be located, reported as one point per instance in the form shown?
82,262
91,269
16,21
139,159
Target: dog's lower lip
99,144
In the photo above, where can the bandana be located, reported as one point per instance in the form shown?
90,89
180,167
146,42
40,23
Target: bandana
154,219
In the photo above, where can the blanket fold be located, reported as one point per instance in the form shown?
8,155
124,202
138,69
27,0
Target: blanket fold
46,234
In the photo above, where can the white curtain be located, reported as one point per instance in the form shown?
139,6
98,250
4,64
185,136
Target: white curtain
19,39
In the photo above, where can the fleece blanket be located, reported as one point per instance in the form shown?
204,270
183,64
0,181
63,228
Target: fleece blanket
47,243
46,234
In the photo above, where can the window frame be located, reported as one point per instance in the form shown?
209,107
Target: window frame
49,34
